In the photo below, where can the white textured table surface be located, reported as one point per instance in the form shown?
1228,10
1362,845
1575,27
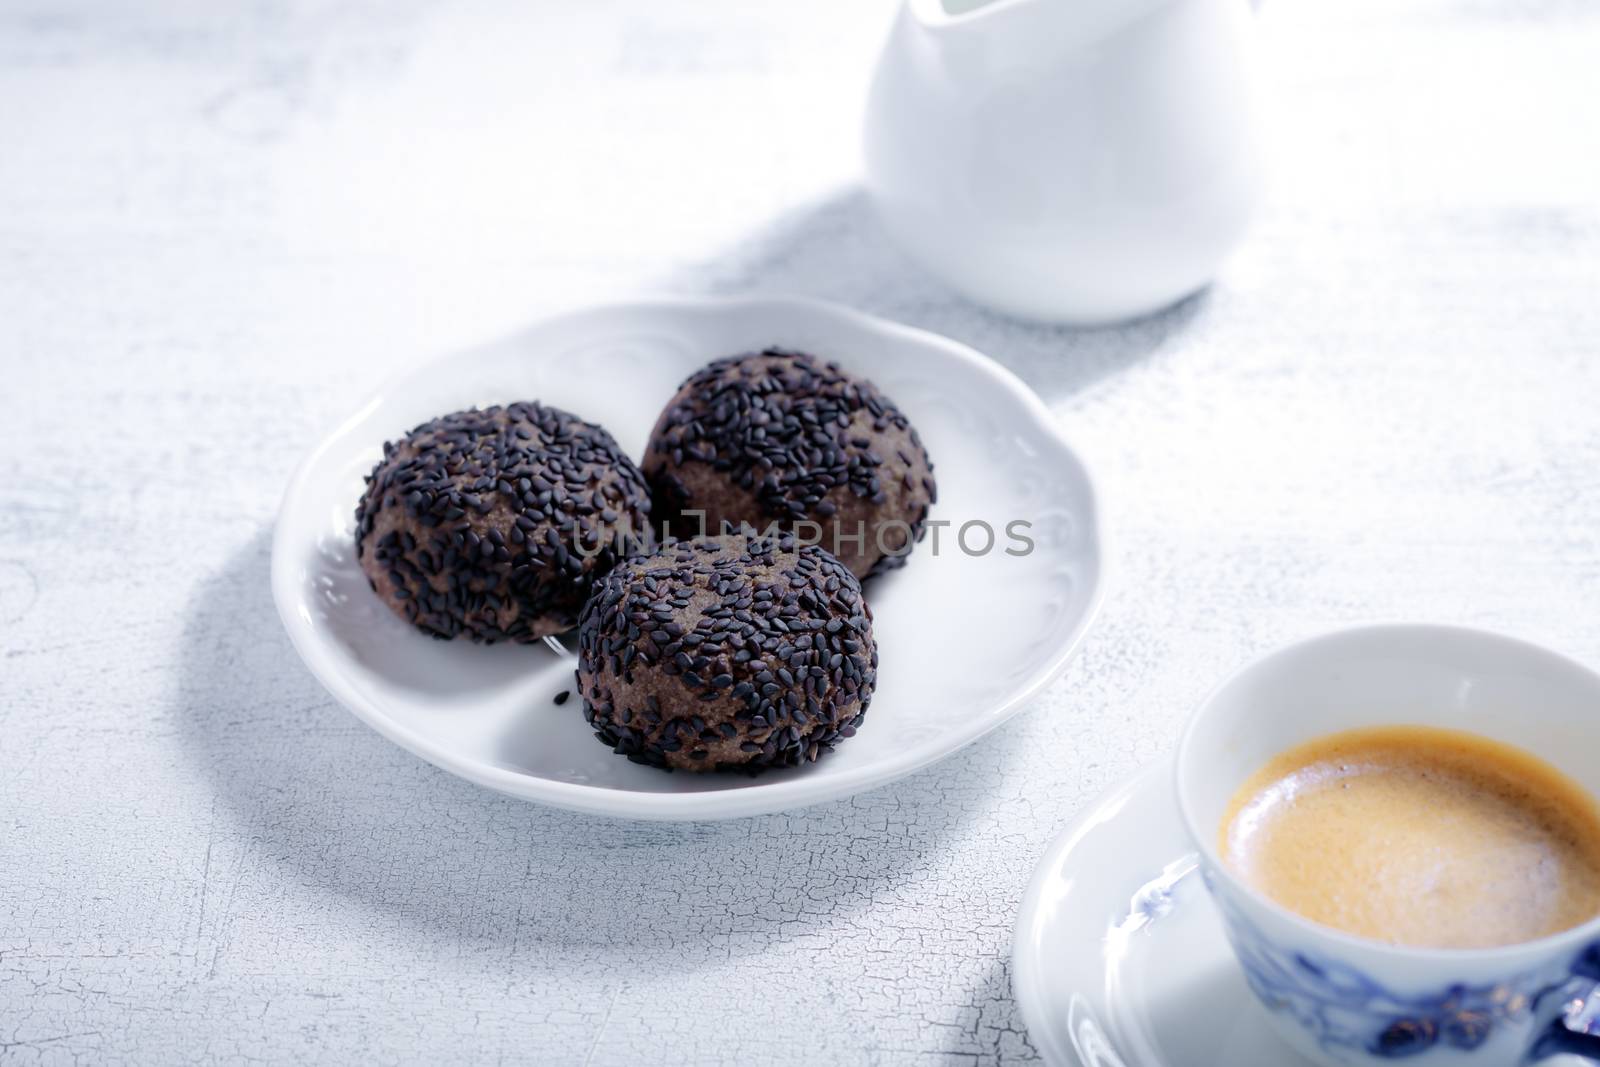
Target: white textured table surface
217,231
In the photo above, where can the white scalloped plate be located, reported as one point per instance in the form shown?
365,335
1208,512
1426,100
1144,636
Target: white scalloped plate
964,640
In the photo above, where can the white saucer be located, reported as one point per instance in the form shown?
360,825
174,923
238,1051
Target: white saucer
964,641
1120,959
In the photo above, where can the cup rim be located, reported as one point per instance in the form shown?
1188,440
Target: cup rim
1202,843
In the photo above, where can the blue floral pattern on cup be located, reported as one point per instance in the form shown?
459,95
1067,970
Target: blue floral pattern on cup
1343,1008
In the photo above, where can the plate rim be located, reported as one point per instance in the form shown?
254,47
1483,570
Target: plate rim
1027,982
758,798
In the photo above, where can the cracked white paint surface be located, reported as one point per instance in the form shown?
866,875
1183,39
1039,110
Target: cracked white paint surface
218,230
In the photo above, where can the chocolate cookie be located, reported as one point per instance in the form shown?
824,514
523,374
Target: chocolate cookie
726,653
494,524
780,436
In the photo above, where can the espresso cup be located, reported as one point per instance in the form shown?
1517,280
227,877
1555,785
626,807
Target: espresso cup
1340,999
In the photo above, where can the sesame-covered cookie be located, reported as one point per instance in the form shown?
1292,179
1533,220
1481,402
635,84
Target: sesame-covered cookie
493,524
783,437
727,653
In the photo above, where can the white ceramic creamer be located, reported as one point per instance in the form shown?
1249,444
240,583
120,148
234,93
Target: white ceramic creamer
1074,161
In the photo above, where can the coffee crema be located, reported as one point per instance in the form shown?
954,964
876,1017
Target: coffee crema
1419,836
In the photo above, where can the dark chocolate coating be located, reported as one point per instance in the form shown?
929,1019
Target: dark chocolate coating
726,653
779,436
493,524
